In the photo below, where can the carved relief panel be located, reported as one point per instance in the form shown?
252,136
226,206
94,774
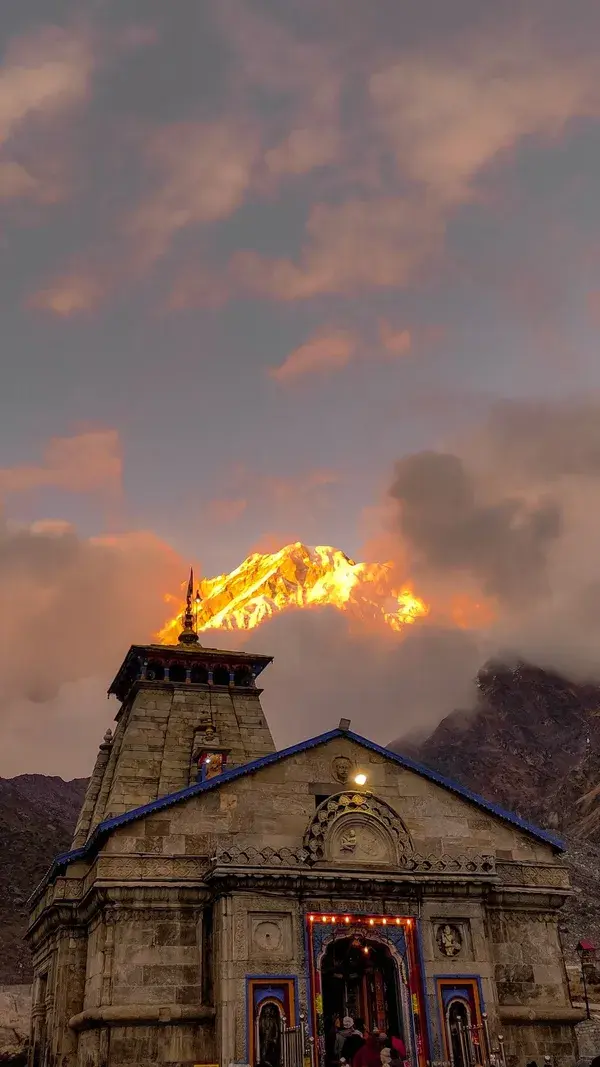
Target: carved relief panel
357,828
358,839
270,935
452,939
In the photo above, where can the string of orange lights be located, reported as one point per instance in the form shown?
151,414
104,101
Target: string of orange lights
360,919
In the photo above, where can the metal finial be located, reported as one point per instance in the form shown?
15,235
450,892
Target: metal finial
188,635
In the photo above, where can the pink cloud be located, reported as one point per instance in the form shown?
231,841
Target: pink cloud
202,174
448,116
87,462
362,244
327,352
43,73
72,294
204,171
396,342
44,76
304,150
226,510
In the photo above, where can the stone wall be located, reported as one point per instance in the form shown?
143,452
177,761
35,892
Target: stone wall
528,961
244,950
274,807
588,1038
523,1043
151,752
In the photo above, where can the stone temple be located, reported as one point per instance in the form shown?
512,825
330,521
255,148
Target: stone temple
223,902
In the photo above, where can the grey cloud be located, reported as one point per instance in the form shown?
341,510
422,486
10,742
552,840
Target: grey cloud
514,513
324,670
448,525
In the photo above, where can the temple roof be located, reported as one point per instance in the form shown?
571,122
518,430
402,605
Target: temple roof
104,829
193,653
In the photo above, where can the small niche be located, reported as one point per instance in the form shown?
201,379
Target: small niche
221,675
199,674
242,677
177,673
155,672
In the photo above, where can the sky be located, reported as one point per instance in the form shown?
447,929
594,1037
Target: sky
294,271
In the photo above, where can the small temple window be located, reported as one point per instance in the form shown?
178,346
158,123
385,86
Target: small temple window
177,673
221,675
199,674
210,765
242,677
155,672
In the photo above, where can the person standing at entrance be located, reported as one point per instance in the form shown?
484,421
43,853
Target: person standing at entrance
398,1048
354,1041
342,1037
370,1053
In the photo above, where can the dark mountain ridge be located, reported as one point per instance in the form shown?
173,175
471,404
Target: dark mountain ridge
37,818
531,744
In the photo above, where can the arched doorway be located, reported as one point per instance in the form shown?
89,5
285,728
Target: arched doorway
359,977
268,1034
458,1022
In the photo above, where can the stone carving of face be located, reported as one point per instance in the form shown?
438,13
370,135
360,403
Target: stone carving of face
341,768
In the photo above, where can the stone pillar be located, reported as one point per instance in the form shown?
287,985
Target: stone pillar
225,985
92,792
71,958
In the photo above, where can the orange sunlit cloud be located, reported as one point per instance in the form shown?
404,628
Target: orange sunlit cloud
86,462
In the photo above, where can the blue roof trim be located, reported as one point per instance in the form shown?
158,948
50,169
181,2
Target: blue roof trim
462,791
106,827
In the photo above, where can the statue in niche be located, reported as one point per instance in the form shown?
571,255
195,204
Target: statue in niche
449,940
269,1036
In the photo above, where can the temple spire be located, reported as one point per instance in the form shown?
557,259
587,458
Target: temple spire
188,635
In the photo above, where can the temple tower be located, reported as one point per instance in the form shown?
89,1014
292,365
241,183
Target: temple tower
187,712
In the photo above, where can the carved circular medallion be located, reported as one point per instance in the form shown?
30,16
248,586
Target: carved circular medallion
341,769
449,939
268,936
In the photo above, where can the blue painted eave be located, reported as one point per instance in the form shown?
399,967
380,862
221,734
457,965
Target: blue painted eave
106,827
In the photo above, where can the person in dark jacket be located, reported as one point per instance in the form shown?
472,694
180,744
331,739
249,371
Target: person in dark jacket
354,1041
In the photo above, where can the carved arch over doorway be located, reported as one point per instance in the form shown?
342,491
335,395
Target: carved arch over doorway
357,827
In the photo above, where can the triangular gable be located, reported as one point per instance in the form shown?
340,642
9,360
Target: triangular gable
105,828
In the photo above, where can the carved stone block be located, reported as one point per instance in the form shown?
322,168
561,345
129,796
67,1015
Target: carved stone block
451,938
270,935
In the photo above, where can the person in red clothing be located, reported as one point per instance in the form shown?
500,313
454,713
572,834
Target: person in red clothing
398,1048
370,1053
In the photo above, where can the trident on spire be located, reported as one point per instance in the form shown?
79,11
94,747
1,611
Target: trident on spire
188,635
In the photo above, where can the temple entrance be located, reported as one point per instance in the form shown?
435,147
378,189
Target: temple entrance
359,977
